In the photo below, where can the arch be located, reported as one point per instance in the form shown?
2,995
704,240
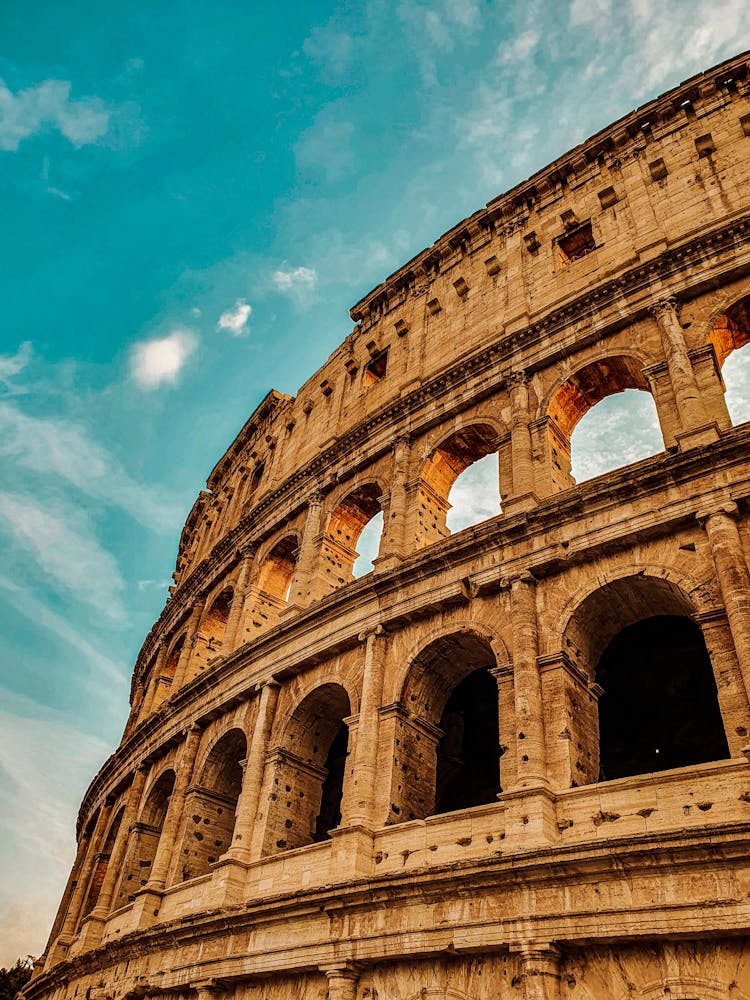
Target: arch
730,332
569,402
269,594
635,638
446,731
307,769
689,988
163,683
147,835
342,532
102,862
215,618
211,804
440,471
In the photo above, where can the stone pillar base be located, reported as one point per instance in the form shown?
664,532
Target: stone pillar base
91,931
523,502
230,879
706,434
146,907
531,818
351,851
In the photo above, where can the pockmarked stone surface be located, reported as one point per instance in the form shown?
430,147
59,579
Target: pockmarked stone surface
510,762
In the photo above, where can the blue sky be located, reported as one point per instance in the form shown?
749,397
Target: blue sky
192,197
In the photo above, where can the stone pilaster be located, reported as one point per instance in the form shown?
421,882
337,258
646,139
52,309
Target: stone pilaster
247,804
531,763
299,593
696,427
541,971
734,579
522,463
359,810
342,981
191,634
236,612
395,545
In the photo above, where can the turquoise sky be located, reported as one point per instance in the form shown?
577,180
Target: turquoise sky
192,195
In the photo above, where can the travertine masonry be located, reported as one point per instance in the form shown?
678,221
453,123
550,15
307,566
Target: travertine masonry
508,763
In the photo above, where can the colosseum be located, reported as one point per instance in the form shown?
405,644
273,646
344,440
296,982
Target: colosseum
511,761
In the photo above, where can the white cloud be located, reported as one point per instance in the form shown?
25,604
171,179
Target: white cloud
620,430
235,320
519,48
63,543
330,49
326,148
49,104
295,280
159,361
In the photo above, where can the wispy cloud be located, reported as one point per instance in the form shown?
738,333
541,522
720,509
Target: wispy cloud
49,104
235,320
63,543
160,361
38,803
475,495
619,430
12,365
325,150
57,447
436,27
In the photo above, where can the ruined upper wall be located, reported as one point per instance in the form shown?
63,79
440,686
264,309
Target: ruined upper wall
635,191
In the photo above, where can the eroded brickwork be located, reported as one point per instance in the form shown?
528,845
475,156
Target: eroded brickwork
509,762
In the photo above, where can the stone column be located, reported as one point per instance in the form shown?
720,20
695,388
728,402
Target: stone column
541,971
531,764
299,593
734,579
395,543
359,810
505,712
74,879
520,442
117,858
236,612
342,981
247,804
166,845
191,634
690,406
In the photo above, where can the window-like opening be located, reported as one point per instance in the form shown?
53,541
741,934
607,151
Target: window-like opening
468,767
618,437
345,527
101,865
576,244
255,477
329,816
447,744
270,593
368,546
308,769
659,709
730,333
375,369
210,636
163,683
148,832
439,479
211,805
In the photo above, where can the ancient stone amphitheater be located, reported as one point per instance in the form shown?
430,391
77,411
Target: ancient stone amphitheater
509,762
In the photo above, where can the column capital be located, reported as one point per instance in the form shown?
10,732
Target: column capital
316,497
372,630
517,379
525,576
666,306
342,970
726,507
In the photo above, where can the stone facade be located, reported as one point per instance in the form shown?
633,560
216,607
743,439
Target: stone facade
507,763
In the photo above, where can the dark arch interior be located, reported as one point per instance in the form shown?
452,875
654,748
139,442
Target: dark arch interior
468,768
659,709
329,816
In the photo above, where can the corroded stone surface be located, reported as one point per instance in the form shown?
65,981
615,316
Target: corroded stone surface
302,804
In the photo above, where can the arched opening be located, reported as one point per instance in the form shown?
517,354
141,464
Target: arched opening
102,864
308,771
636,640
623,431
343,532
163,683
659,709
442,477
368,546
468,763
148,832
255,478
730,334
447,736
214,622
269,596
211,805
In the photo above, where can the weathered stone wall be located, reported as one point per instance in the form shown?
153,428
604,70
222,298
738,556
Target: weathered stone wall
268,825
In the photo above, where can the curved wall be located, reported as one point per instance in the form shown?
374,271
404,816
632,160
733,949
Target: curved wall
313,792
